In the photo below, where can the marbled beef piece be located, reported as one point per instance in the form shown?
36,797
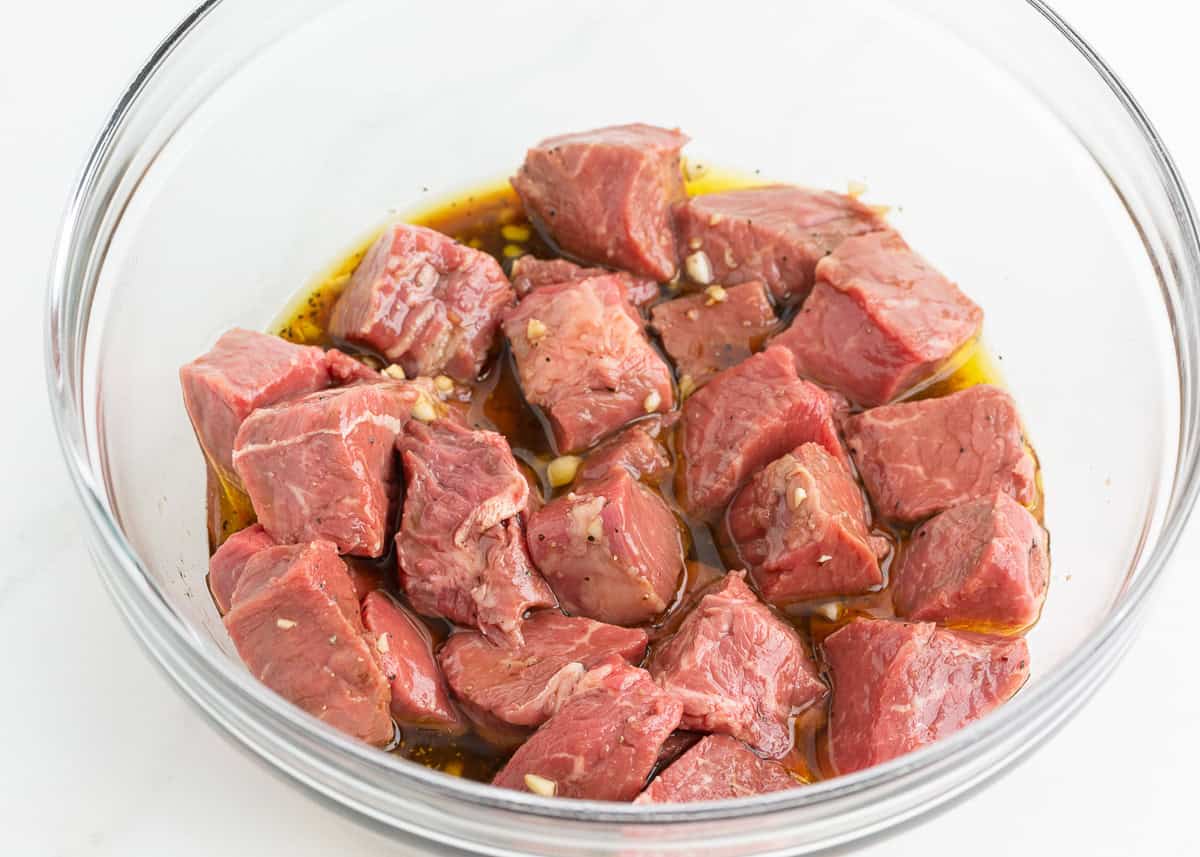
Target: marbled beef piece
602,743
776,234
920,458
713,330
404,649
245,370
323,466
529,273
879,321
424,301
982,564
294,620
738,668
717,768
606,195
637,449
899,686
523,685
583,358
610,549
225,567
800,524
742,420
461,546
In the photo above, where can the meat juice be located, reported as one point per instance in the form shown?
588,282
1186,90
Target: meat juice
491,219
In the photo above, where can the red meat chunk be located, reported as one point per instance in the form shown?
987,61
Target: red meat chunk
611,550
245,370
636,449
717,768
404,649
920,458
424,301
899,686
879,321
707,332
294,620
801,526
584,359
606,195
529,273
745,418
461,546
225,567
523,685
604,740
776,234
982,564
322,467
738,669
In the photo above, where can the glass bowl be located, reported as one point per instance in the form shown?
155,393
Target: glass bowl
261,141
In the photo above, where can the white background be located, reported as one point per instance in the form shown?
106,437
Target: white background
100,756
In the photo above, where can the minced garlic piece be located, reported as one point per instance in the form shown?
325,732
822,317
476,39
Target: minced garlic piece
823,558
653,400
716,295
830,611
424,410
595,530
855,188
714,219
394,370
731,261
443,383
695,243
535,330
516,232
562,470
381,644
797,496
285,624
699,268
541,785
693,314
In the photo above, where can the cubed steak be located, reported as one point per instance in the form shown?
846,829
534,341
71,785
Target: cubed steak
461,546
899,686
611,550
715,329
983,564
776,234
294,620
245,370
636,449
225,567
879,321
738,669
523,685
801,526
920,458
745,418
425,302
529,273
717,768
404,649
583,358
606,195
323,466
602,743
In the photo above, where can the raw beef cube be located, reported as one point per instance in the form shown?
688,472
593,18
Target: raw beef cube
602,743
584,359
461,546
801,526
776,234
611,550
344,369
636,449
323,467
225,566
523,685
295,623
899,686
424,301
920,458
713,330
745,418
717,768
983,564
606,195
738,669
245,370
879,321
529,273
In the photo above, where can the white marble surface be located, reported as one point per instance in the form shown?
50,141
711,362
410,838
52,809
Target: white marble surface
100,756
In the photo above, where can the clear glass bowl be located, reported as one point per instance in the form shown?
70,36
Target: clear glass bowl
261,140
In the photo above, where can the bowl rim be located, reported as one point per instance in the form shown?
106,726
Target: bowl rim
1105,643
